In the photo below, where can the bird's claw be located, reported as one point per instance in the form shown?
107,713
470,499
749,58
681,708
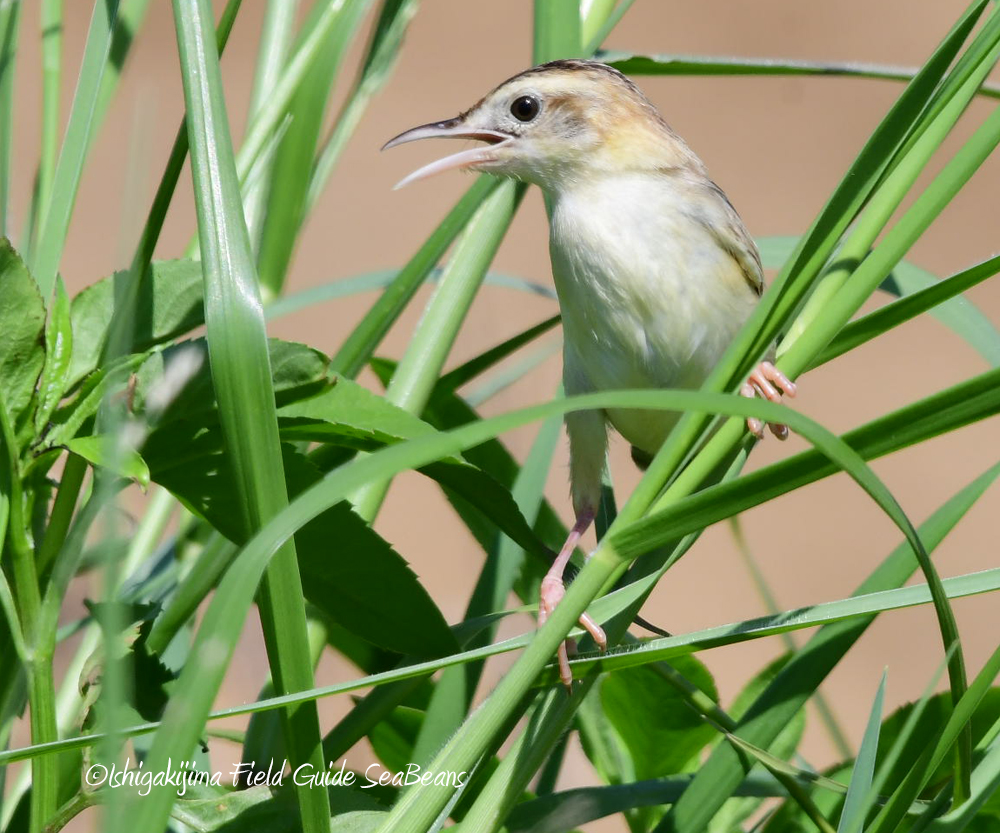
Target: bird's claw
770,383
552,591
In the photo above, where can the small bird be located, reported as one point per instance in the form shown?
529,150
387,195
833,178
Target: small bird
654,269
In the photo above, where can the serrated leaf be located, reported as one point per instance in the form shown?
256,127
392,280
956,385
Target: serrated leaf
169,304
348,571
110,453
58,356
348,414
661,732
358,821
254,809
22,323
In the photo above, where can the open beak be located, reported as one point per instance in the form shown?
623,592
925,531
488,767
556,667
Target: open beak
451,129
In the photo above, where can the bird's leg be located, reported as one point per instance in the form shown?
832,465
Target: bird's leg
554,588
769,382
588,444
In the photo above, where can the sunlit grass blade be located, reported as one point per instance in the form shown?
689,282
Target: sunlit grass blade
380,58
286,205
276,37
863,606
361,344
853,814
242,380
710,65
55,212
10,18
908,307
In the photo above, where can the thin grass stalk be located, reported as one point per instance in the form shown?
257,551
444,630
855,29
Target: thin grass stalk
286,205
242,378
131,16
360,345
52,46
380,59
41,686
272,54
728,66
862,605
55,214
430,345
10,19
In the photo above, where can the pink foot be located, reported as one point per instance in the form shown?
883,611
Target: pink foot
762,382
553,589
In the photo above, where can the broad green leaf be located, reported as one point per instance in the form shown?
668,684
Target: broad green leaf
111,453
358,821
169,305
58,355
348,414
22,323
251,810
663,736
348,571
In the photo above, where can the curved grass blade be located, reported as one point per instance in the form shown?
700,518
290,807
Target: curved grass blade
983,336
242,379
709,65
361,344
57,209
826,613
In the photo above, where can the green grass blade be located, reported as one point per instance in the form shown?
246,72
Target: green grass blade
361,344
286,205
603,27
895,808
10,19
380,58
418,372
558,30
770,712
709,65
863,606
855,807
242,380
276,37
55,212
982,337
52,45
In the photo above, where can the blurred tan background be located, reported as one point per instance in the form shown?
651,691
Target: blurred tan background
776,145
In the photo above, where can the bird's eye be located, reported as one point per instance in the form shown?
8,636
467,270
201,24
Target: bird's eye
525,108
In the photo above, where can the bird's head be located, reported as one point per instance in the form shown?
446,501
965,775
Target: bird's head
554,124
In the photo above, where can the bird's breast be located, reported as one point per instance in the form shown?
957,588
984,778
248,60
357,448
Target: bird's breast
648,296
